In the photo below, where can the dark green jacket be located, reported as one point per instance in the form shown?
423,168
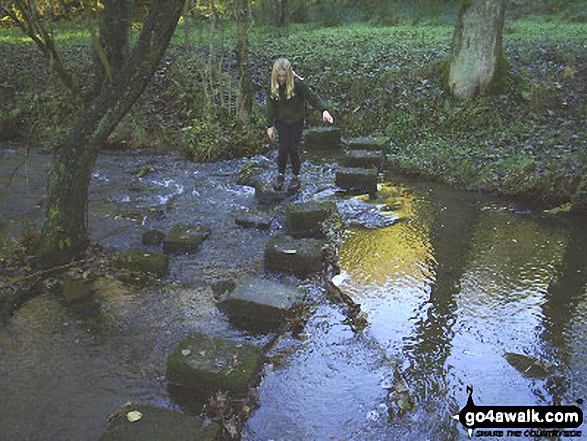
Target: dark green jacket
292,110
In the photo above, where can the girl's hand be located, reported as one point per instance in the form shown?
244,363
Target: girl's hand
270,133
326,116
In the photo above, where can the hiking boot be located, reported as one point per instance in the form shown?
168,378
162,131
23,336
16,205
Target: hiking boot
294,184
278,186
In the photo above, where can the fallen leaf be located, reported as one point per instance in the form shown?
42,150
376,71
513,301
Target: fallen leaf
134,415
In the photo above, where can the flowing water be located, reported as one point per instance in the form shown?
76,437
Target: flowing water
450,282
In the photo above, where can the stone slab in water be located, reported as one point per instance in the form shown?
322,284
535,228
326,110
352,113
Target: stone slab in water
156,423
364,159
153,237
306,219
364,144
144,261
302,257
185,238
213,363
248,220
322,138
357,179
257,302
265,194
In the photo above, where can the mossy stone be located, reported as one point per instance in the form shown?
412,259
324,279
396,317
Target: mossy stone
144,261
370,159
157,424
185,238
306,219
260,304
302,257
214,363
357,179
153,237
322,138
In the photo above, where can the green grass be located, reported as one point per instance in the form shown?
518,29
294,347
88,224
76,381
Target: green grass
386,81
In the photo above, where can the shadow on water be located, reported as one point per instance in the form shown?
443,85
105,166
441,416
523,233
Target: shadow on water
450,281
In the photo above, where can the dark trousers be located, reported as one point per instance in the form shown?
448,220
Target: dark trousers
290,138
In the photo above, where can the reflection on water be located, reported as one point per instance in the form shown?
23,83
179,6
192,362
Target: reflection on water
457,281
459,284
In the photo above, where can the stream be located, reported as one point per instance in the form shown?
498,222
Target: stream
450,282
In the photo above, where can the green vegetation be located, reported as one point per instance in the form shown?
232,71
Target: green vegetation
384,78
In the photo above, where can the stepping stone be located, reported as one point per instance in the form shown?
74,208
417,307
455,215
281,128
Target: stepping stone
357,179
144,261
213,363
185,238
364,159
248,220
302,257
260,303
142,422
266,195
322,138
153,237
306,219
365,144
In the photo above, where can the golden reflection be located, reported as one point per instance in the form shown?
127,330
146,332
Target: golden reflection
393,256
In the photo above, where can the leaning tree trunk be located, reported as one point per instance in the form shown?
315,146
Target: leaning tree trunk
476,53
64,234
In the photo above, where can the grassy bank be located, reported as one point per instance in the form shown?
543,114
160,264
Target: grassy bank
385,81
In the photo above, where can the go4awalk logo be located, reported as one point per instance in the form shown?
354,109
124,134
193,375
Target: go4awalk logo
520,421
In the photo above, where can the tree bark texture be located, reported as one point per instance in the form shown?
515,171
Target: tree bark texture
64,233
114,38
476,53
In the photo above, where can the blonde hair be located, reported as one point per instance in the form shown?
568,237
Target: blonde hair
279,65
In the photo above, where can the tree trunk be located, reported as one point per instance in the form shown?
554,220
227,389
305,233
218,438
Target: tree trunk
246,83
114,42
476,53
64,234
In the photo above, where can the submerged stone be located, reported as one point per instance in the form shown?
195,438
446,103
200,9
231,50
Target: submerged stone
357,179
528,366
185,238
260,303
322,138
142,422
301,257
307,219
214,363
144,261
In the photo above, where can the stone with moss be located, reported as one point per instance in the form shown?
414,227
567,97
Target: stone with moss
357,179
144,422
306,219
213,363
185,238
322,138
302,257
370,159
144,261
260,303
364,143
153,237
